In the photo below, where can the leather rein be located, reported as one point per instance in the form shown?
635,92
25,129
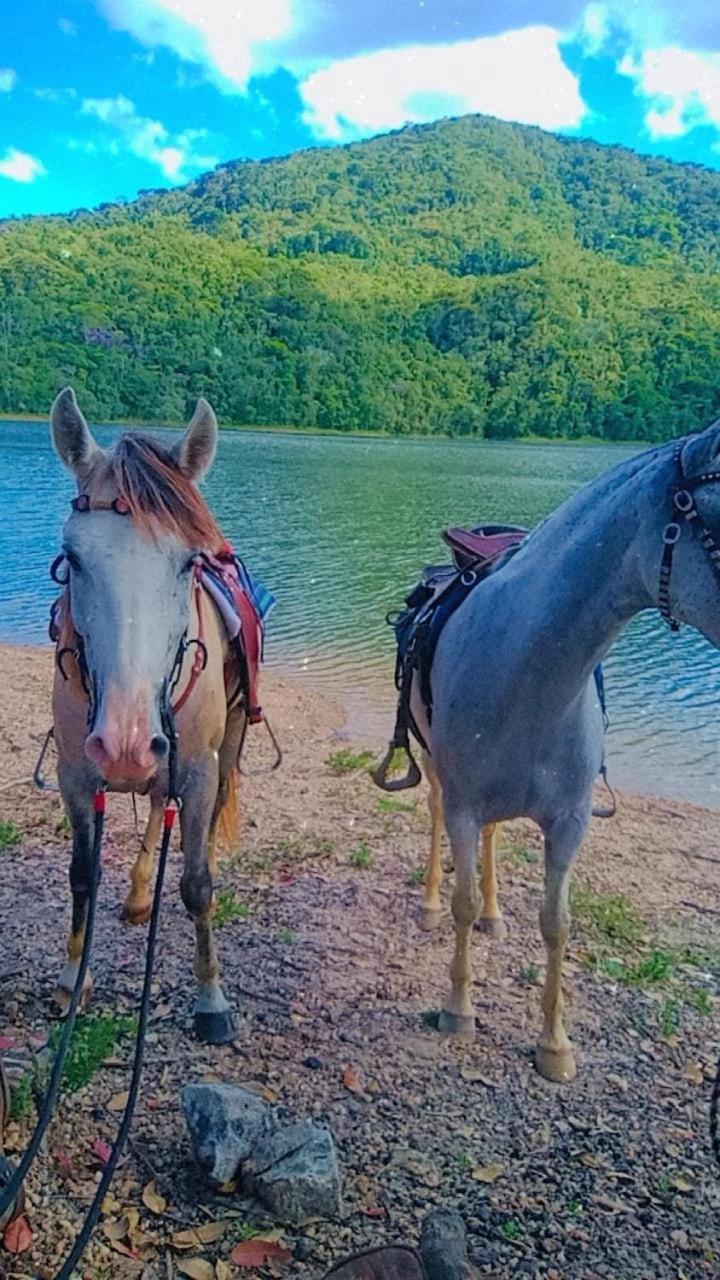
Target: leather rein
85,503
684,506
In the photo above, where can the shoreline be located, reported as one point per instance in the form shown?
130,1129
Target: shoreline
348,734
336,433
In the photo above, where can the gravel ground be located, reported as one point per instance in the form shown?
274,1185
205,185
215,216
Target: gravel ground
334,985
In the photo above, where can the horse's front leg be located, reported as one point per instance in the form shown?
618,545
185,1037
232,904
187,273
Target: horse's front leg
491,921
432,909
458,1015
214,1021
138,903
555,1058
79,809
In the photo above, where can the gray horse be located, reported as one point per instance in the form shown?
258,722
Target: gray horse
517,730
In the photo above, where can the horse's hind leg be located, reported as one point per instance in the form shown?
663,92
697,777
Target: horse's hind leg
80,812
138,903
458,1015
491,921
432,910
555,1058
213,1016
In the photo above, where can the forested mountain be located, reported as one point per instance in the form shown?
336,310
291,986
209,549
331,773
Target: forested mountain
469,277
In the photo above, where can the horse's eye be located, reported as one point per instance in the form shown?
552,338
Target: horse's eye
73,561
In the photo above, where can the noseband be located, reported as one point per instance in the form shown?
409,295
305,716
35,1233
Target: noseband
168,708
683,502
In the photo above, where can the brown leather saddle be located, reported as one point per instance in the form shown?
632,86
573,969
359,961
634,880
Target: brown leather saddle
483,545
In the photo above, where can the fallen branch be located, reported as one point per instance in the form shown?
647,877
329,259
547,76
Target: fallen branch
705,911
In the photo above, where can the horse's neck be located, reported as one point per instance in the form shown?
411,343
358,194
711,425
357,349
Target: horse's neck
587,570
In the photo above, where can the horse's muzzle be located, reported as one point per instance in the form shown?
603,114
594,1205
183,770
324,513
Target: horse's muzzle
122,745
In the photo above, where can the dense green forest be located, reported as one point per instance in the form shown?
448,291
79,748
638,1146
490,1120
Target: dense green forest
468,277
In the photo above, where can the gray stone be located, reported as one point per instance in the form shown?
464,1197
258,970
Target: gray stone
226,1123
295,1174
443,1247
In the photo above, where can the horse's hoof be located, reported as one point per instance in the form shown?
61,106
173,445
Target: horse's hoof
430,919
492,927
132,914
215,1026
461,1026
556,1065
61,998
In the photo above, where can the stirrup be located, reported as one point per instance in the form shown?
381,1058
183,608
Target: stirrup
411,779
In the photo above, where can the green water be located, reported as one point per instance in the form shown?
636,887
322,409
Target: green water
339,529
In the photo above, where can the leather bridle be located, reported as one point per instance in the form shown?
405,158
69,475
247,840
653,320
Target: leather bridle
685,508
83,502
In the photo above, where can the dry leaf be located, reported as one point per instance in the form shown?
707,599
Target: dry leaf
682,1184
101,1151
152,1199
209,1232
255,1253
17,1237
488,1172
472,1076
222,1271
118,1102
350,1079
196,1268
693,1072
227,1188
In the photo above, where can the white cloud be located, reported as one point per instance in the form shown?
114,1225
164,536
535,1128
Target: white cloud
516,76
682,88
149,139
226,37
8,79
56,96
594,28
18,166
67,27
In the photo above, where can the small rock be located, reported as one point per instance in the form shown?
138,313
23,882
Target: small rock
443,1246
295,1173
315,1064
226,1123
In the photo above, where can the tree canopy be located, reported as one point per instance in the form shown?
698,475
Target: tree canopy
468,277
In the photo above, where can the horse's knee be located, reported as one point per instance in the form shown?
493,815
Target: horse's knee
196,891
554,927
465,907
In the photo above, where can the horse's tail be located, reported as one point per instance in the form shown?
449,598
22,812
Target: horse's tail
229,817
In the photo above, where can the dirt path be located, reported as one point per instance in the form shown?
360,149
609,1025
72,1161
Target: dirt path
335,986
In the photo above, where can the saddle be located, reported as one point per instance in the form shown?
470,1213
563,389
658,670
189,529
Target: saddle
440,591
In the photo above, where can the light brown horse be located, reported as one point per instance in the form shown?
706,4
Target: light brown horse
132,599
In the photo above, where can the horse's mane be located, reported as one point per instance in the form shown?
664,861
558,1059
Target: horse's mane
160,497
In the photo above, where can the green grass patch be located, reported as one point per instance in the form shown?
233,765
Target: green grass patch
530,975
417,877
670,1017
286,936
228,907
519,855
386,804
21,1098
345,761
10,834
93,1040
361,857
511,1229
611,916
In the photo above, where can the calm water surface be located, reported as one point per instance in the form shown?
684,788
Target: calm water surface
339,529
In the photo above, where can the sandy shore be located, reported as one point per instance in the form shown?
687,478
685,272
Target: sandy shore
609,1177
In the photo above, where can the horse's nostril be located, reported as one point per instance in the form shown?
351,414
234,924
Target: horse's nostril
159,745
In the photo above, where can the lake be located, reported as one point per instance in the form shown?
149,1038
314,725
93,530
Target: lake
339,529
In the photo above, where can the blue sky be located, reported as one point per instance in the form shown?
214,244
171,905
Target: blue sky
102,98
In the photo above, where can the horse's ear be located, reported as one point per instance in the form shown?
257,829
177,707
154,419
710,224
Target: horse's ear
702,452
194,454
71,434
